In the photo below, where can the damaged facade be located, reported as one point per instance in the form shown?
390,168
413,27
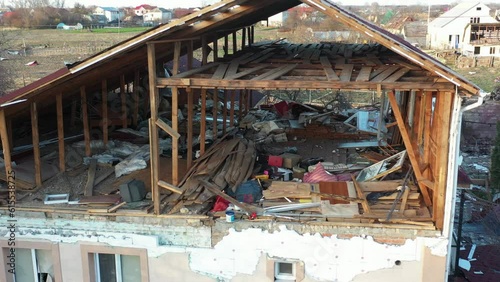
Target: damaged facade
377,184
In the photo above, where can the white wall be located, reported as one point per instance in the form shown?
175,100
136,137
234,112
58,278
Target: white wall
439,36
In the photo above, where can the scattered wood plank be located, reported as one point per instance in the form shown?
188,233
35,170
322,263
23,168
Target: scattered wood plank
169,187
220,72
89,187
327,67
397,75
386,73
364,74
346,72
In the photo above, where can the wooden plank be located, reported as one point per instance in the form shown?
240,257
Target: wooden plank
361,195
105,120
85,116
135,97
243,38
116,207
36,144
60,132
226,43
378,70
190,127
346,73
397,75
386,73
327,67
220,72
275,73
233,68
175,141
196,70
364,74
165,127
89,186
409,147
123,96
203,124
176,59
404,199
169,187
404,64
153,130
244,73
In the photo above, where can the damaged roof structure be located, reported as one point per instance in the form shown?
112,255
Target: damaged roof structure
407,218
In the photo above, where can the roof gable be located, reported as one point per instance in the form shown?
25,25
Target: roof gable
454,13
225,16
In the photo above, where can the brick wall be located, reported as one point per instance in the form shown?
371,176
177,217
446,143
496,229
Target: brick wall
479,127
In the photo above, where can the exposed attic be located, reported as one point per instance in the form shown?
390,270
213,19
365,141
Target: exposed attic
411,84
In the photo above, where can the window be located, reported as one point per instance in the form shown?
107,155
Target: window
474,20
33,265
477,50
114,264
32,262
117,268
284,271
478,8
492,50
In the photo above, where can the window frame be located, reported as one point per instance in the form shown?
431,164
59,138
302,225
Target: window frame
88,253
33,246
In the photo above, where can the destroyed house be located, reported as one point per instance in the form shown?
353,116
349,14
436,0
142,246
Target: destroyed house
102,184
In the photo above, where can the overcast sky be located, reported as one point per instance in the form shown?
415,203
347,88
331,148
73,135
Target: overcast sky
197,3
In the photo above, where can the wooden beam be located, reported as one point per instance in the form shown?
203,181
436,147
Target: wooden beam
6,149
231,111
203,125
36,144
215,49
105,120
135,97
190,127
224,113
204,50
409,148
235,43
190,55
243,38
123,95
60,132
226,45
285,83
85,116
361,195
177,57
165,127
175,141
441,124
215,99
153,131
327,67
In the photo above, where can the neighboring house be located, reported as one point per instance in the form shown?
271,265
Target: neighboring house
96,20
78,26
482,39
111,13
170,238
143,9
396,24
158,15
415,33
445,32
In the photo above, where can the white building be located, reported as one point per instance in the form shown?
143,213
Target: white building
111,13
482,40
143,9
158,15
446,31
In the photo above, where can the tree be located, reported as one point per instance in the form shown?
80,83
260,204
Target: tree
495,164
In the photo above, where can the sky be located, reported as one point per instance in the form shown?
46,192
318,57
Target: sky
197,3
